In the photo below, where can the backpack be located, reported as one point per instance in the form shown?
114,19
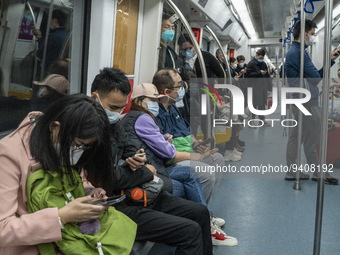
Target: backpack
146,193
117,232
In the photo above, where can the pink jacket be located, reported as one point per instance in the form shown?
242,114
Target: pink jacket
20,232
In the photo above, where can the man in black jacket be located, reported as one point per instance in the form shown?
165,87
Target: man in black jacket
258,78
168,219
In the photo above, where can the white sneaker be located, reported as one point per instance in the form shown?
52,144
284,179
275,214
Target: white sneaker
237,152
221,238
217,221
230,156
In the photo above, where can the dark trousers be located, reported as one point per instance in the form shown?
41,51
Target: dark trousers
310,136
173,221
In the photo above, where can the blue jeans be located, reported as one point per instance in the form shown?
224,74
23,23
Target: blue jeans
184,186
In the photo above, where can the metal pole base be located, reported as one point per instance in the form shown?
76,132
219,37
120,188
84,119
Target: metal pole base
297,186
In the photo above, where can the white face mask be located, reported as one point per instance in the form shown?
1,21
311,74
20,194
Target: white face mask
75,153
234,66
241,64
310,41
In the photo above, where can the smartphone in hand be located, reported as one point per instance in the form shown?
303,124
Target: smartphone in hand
112,200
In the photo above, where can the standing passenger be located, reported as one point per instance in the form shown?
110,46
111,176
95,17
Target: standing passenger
310,124
258,77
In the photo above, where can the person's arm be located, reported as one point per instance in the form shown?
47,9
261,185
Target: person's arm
183,155
149,132
26,229
252,72
126,178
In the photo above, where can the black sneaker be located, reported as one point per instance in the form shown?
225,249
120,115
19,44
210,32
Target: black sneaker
292,176
329,181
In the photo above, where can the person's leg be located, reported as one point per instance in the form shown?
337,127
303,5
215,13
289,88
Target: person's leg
291,152
178,189
311,135
207,180
185,185
190,210
160,227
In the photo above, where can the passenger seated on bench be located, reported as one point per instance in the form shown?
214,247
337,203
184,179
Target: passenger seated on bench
189,151
73,123
166,216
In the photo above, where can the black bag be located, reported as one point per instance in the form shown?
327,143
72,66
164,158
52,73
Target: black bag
146,193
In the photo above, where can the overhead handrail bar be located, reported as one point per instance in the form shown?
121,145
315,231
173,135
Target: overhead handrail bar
310,2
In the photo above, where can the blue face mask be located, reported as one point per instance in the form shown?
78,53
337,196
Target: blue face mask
188,54
153,108
180,93
112,116
260,60
168,35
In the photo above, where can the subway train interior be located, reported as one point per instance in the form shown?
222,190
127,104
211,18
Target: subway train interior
267,212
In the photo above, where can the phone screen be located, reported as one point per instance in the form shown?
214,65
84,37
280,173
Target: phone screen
113,200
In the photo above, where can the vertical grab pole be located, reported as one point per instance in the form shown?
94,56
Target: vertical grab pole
42,73
200,57
226,57
283,84
297,185
324,125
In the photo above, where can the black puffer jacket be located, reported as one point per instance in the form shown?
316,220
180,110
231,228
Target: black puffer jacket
133,139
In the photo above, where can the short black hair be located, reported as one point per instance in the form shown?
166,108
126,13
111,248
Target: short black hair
260,52
60,16
165,16
309,25
240,58
232,60
184,38
111,79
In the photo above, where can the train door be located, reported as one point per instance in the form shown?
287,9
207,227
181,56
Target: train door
34,35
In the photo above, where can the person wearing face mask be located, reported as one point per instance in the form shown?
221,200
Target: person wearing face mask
311,123
111,89
73,133
241,69
258,79
157,224
233,66
214,71
189,151
168,58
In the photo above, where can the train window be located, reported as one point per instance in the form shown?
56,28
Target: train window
35,38
126,35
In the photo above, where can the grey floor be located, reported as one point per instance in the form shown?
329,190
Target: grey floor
264,212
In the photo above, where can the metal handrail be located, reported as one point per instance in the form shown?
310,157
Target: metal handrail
297,185
324,124
199,56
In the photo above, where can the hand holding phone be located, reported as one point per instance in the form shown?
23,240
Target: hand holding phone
206,141
112,200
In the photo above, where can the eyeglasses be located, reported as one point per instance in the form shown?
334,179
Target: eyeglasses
183,84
